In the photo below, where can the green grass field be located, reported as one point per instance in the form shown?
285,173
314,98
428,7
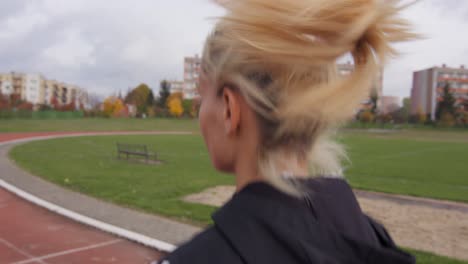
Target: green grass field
89,165
428,258
421,163
419,167
97,124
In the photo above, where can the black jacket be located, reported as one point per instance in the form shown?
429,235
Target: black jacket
261,225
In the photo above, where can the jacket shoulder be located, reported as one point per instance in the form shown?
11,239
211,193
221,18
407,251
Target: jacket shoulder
207,247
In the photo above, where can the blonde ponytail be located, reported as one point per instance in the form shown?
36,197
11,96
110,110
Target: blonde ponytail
281,55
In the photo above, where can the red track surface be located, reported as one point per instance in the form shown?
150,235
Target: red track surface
30,234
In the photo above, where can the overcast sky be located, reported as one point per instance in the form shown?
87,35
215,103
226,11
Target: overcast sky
107,46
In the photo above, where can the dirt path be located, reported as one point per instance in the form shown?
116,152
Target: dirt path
430,225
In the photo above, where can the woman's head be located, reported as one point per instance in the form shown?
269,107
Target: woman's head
270,65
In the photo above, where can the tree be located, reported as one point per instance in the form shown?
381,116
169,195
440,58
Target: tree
45,107
463,119
407,104
187,105
164,93
421,117
447,119
70,107
94,100
195,107
447,104
400,115
55,103
4,102
15,100
374,97
142,97
113,107
25,106
174,103
385,118
366,116
150,99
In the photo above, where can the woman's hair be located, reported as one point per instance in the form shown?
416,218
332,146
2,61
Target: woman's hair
281,56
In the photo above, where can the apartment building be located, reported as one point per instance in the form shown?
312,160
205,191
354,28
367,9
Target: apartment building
176,86
6,84
428,87
192,68
33,87
345,69
12,83
38,90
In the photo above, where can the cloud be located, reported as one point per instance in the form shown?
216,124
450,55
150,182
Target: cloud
71,51
443,43
109,46
21,24
100,46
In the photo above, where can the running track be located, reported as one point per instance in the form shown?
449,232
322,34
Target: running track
30,234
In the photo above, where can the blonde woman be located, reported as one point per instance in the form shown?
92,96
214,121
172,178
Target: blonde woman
270,103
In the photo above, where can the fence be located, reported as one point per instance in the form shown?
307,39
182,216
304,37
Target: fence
22,114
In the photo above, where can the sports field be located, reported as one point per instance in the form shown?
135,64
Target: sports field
423,164
385,163
420,163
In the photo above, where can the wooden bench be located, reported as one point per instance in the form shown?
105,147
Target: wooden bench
136,150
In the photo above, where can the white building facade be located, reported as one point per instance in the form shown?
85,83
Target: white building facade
192,66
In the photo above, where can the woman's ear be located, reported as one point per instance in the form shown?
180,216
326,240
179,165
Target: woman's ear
232,111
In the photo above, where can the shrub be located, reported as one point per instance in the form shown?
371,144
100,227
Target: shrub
366,116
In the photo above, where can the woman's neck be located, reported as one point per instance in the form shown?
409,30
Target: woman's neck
247,170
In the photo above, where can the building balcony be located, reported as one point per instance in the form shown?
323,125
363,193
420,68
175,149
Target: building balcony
452,79
454,90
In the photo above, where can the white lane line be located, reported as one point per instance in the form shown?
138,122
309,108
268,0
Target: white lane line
130,235
70,251
24,253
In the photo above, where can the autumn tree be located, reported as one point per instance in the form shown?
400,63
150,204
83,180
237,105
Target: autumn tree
4,102
67,107
113,106
366,116
463,119
174,104
55,103
25,106
421,117
142,97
